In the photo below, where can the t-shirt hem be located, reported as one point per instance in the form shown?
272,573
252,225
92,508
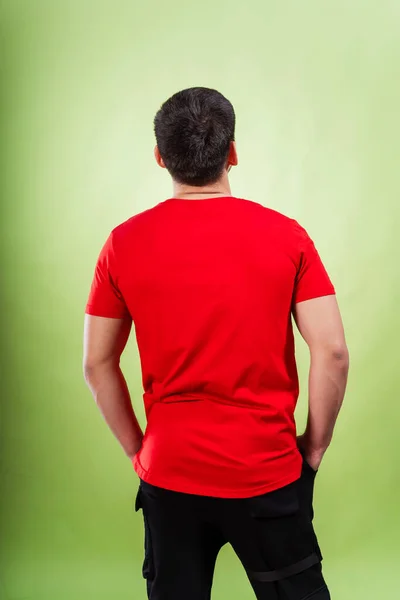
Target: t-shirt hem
314,295
94,311
190,488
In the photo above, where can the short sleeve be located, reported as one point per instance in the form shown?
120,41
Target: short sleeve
312,279
105,299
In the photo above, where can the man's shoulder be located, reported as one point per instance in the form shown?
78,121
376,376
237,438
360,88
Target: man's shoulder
273,216
136,221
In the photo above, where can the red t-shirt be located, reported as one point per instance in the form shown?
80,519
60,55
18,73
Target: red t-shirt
210,285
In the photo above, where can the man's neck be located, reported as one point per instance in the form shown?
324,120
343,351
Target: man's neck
214,190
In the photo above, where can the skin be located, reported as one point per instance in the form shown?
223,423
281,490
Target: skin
318,321
104,342
320,325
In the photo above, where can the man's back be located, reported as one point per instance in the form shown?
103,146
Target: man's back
210,285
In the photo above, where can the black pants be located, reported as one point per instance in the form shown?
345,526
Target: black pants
272,535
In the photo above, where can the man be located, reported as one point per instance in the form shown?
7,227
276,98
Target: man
211,282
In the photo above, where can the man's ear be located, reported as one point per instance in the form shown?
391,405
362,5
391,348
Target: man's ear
232,156
158,158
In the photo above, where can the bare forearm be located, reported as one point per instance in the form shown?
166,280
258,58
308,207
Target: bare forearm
111,394
327,385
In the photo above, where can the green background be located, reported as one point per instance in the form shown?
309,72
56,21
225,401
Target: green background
316,88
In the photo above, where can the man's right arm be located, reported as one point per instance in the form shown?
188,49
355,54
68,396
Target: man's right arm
320,324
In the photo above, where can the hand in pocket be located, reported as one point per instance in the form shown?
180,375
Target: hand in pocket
312,457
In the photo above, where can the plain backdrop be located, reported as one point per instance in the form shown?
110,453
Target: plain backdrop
316,89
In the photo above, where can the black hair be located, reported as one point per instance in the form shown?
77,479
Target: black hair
194,129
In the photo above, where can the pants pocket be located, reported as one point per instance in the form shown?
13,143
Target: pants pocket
148,561
282,535
281,531
280,503
306,489
138,500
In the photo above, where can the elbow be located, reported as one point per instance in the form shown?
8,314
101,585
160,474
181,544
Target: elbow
335,354
339,355
91,371
88,372
94,370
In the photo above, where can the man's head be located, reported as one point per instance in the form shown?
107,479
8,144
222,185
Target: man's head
195,132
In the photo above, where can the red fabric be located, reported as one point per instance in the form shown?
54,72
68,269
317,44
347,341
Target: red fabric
210,285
